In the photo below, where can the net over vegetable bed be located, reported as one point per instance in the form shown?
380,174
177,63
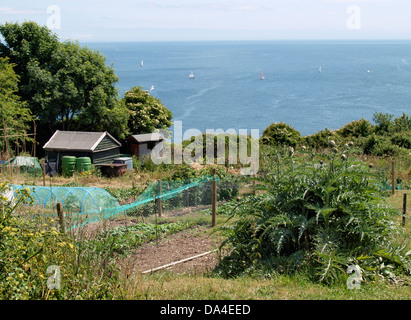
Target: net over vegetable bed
84,205
73,199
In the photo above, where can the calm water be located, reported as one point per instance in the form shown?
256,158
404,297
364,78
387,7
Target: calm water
356,80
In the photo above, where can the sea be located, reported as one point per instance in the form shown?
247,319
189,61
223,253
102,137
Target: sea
310,85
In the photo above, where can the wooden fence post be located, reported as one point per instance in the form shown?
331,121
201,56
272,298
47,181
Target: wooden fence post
60,214
404,207
195,196
155,212
214,198
393,177
188,194
159,199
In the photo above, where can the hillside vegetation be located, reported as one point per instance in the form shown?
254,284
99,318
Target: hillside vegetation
322,205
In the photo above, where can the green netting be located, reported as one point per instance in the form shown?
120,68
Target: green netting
387,186
171,193
73,199
85,205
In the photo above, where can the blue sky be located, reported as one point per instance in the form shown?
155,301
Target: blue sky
162,20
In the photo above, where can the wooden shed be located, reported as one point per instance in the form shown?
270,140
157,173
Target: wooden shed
142,145
101,147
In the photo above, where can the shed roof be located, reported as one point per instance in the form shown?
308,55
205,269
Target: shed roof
77,140
155,136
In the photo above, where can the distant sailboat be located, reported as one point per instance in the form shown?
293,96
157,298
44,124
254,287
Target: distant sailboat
262,75
320,70
191,76
141,63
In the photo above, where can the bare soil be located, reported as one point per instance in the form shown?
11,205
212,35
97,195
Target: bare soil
176,247
169,249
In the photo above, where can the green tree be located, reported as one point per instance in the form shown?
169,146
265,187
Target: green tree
25,44
14,114
77,92
67,87
147,113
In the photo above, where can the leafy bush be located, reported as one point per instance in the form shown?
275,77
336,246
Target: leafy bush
360,128
315,218
402,123
381,146
227,189
321,139
125,194
25,252
384,123
281,134
183,172
402,139
218,146
30,244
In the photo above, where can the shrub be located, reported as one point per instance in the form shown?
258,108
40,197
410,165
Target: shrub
321,139
383,122
30,244
402,139
381,146
183,172
316,218
402,123
280,134
221,145
228,188
27,248
359,128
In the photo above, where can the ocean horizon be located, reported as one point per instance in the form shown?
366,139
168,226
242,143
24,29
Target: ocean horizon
308,84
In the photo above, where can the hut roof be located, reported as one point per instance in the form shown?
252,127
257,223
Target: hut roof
77,140
147,137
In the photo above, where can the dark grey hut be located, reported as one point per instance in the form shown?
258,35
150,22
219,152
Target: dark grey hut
142,145
101,147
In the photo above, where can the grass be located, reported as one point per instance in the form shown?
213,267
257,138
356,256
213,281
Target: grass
396,201
167,286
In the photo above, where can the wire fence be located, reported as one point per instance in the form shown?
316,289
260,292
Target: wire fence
81,206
